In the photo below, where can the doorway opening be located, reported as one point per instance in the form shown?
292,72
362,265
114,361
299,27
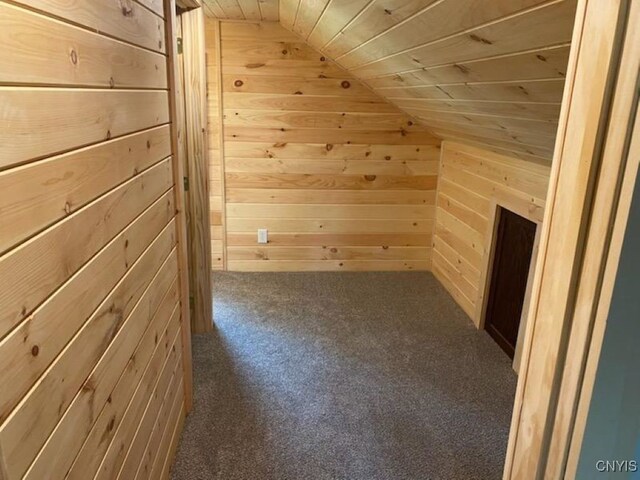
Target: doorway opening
511,268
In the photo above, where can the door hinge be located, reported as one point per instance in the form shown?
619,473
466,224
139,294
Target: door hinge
179,39
186,183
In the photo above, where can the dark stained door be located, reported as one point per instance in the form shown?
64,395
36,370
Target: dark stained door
512,257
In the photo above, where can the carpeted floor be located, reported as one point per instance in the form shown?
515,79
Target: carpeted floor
350,376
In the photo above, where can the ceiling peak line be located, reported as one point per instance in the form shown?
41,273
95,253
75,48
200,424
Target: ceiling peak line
526,11
392,27
475,60
340,32
464,84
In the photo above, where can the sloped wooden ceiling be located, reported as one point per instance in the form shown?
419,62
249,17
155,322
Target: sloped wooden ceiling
266,10
488,72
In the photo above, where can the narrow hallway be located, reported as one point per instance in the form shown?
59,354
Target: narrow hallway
344,376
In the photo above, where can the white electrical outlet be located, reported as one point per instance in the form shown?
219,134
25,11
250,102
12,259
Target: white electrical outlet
263,235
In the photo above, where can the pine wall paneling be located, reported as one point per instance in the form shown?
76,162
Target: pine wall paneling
92,324
472,183
341,179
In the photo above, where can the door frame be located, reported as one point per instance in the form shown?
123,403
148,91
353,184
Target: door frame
495,208
587,206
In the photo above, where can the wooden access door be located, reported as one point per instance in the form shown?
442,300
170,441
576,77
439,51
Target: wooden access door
515,237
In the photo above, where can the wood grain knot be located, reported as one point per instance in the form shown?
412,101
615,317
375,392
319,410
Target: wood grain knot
74,57
345,84
35,350
323,59
478,39
385,247
334,250
238,83
370,178
387,157
328,147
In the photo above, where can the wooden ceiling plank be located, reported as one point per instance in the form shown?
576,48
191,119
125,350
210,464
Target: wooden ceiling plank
535,111
269,10
212,9
545,128
250,9
549,91
308,17
443,20
337,14
288,12
480,137
231,9
539,64
267,31
537,28
375,21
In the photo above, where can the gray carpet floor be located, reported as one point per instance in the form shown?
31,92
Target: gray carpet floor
350,376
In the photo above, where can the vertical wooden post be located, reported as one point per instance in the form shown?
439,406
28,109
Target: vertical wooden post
178,179
220,117
611,203
196,164
580,205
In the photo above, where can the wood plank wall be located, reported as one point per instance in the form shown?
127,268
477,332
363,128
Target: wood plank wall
340,178
472,181
92,378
